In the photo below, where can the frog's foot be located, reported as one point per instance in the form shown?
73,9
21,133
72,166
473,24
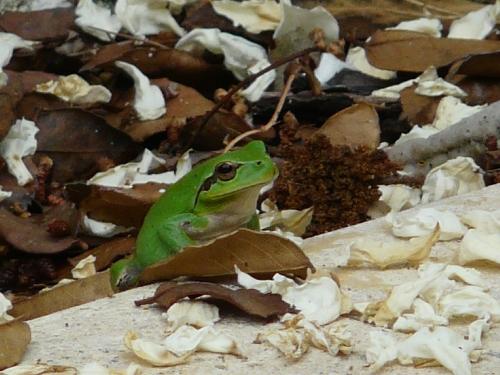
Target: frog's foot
125,274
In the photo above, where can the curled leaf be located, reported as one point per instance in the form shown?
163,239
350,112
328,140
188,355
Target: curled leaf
250,301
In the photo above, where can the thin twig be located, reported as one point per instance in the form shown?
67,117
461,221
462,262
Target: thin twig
274,117
203,121
131,37
433,7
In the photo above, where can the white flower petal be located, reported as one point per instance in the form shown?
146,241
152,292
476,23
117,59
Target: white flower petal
75,89
454,177
149,102
19,142
90,15
195,313
146,17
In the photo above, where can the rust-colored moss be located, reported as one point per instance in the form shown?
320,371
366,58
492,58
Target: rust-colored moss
339,182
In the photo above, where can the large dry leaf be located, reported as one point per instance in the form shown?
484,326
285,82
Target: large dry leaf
63,297
360,19
257,253
179,66
187,103
108,252
221,126
481,65
21,83
126,207
43,25
410,51
15,336
77,141
250,301
33,234
354,126
418,109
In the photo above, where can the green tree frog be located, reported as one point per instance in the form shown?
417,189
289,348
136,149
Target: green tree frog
216,197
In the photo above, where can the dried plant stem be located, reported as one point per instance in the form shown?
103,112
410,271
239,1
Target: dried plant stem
274,117
131,37
252,78
432,7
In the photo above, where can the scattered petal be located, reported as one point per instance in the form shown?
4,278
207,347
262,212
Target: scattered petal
479,246
187,340
102,229
454,177
442,344
40,369
198,314
417,132
431,26
319,299
241,56
152,353
469,301
422,316
356,57
142,18
385,253
394,198
5,305
451,110
428,84
127,175
484,221
149,102
475,25
296,19
19,142
8,43
90,16
329,65
84,268
295,221
177,347
75,89
254,16
424,221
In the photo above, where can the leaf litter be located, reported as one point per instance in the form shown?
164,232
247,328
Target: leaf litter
112,81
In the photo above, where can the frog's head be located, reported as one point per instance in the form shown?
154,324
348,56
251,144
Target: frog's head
235,172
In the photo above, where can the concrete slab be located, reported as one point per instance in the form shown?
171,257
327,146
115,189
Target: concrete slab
94,332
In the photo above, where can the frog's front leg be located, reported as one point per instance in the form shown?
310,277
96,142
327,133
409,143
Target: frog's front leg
254,223
173,233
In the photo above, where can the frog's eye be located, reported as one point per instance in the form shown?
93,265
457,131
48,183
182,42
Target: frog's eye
226,171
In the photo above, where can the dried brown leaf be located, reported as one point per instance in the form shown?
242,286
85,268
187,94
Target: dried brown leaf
257,253
15,336
77,140
480,90
354,126
108,252
179,66
221,126
31,234
126,207
187,103
250,301
481,65
44,25
63,297
418,109
410,51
